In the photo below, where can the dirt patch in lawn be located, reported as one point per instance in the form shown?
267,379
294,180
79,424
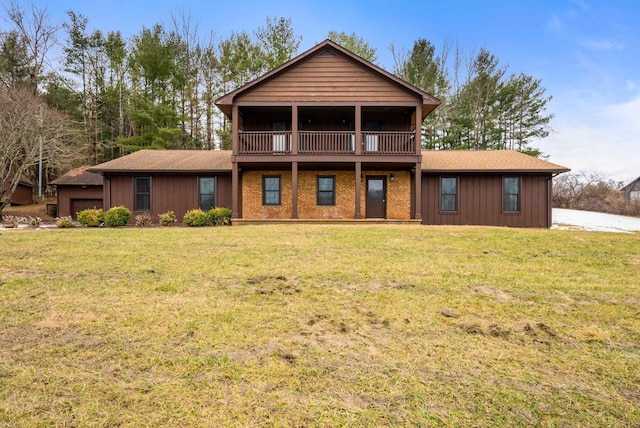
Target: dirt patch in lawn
497,294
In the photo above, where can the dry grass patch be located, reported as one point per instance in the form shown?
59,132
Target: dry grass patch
319,326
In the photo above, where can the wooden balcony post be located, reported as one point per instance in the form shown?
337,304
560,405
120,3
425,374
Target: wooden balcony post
294,190
234,129
358,188
235,187
418,191
358,137
294,129
418,147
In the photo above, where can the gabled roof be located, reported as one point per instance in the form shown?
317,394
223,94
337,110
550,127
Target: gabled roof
453,161
429,102
24,181
634,185
169,161
79,177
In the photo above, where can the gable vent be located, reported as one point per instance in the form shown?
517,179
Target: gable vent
327,52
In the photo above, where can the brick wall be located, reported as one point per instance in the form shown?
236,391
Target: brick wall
345,206
252,207
398,195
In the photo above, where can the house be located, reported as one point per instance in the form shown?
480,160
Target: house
632,190
493,188
23,194
77,190
329,135
157,181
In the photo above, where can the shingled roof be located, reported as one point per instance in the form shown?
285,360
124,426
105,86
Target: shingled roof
169,161
486,161
79,177
503,161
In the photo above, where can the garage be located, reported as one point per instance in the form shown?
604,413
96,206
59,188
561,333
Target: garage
78,190
78,205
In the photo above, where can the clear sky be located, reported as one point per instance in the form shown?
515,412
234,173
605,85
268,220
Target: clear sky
587,52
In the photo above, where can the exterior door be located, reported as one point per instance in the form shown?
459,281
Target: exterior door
376,197
78,205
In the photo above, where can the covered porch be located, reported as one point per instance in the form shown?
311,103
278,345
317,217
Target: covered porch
312,129
328,191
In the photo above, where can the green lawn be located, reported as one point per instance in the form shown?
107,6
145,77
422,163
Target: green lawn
312,325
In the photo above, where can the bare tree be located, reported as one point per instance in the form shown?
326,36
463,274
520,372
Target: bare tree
38,32
26,124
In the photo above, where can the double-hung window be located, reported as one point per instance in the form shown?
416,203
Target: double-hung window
271,190
326,190
207,188
511,194
142,194
448,194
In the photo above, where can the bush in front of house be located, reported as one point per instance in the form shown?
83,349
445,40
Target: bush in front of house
10,221
92,217
220,216
32,221
195,218
168,218
65,222
143,220
117,216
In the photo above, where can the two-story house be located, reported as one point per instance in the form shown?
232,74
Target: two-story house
329,135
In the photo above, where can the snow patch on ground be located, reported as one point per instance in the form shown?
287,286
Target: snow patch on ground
592,221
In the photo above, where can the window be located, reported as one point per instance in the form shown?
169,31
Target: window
511,194
207,193
270,190
448,194
142,194
326,190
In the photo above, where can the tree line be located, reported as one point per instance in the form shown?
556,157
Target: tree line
110,95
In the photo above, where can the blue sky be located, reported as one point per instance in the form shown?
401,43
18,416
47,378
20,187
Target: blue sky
587,53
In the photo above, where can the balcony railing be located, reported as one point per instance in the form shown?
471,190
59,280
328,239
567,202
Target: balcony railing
267,142
392,143
326,142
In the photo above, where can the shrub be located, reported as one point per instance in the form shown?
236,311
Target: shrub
117,216
65,222
91,217
143,220
220,216
168,218
195,218
10,221
32,221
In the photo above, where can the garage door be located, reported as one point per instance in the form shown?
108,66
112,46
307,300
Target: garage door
83,204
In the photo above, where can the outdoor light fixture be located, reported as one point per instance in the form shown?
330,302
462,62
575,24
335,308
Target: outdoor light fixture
392,178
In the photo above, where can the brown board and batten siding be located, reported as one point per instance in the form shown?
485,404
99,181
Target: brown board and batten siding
178,193
328,77
174,178
480,201
480,177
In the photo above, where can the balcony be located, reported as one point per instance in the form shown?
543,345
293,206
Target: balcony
326,142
